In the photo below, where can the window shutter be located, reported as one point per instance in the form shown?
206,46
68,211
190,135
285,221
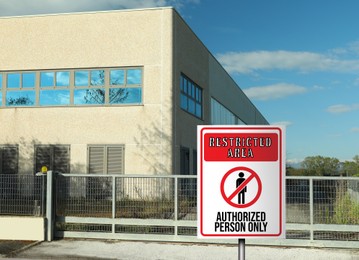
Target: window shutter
42,158
9,160
61,155
115,162
96,160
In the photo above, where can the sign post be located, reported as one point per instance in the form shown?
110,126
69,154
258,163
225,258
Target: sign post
241,182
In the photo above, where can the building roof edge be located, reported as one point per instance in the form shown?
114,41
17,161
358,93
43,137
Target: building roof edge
87,12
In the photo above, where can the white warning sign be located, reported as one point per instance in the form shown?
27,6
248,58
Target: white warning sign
241,181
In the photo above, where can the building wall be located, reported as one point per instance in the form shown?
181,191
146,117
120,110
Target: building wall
194,60
94,40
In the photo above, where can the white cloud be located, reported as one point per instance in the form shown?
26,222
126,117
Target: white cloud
27,7
285,123
275,91
249,62
355,130
341,108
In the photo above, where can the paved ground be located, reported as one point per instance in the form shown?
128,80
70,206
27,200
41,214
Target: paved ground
95,249
7,247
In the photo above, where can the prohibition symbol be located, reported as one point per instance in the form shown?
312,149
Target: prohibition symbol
241,188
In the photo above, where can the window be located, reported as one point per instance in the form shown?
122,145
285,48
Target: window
9,159
191,97
103,86
220,115
106,159
54,157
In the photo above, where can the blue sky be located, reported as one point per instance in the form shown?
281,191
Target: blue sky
298,61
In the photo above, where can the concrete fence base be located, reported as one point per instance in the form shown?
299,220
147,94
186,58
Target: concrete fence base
22,228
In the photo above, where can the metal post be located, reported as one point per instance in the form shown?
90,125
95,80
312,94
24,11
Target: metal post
43,196
241,249
49,207
176,204
113,202
311,208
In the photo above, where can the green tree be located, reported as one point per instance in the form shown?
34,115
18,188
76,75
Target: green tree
321,166
351,168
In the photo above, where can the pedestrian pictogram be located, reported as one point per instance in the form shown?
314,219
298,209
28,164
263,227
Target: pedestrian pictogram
235,195
241,189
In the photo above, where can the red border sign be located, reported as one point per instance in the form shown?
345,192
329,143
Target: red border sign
253,175
252,147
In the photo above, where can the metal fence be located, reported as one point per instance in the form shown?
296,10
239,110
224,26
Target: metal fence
319,211
22,195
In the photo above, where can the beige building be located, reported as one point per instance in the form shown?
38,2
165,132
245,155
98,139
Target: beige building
117,92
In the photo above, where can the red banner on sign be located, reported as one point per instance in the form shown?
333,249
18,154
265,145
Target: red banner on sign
241,147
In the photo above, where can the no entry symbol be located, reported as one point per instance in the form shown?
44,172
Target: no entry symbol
241,186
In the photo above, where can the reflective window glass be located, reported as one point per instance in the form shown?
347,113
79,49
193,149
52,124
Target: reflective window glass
0,98
46,79
54,97
13,80
97,78
62,78
0,81
125,95
28,80
89,96
134,76
198,110
117,77
190,97
81,78
184,101
20,98
191,106
185,85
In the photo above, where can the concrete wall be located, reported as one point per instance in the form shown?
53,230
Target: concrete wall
94,40
22,228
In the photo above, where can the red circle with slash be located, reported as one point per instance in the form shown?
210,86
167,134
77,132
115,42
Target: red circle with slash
252,177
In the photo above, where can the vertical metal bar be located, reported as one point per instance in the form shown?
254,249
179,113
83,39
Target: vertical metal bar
311,208
176,204
241,249
113,201
49,207
43,196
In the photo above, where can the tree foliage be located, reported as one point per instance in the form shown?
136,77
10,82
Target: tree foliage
97,96
321,166
19,101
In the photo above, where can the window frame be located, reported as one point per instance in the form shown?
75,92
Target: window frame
191,94
70,94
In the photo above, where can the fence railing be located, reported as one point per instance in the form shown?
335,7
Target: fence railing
319,211
22,195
